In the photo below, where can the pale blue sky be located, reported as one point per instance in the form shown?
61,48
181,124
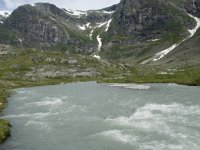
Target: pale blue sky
72,4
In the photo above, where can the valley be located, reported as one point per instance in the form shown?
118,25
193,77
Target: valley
131,42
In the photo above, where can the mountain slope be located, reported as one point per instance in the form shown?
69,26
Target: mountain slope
185,54
137,31
142,28
45,26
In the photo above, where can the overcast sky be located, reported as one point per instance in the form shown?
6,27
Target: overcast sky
72,4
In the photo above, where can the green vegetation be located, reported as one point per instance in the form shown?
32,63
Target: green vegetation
4,130
4,125
189,75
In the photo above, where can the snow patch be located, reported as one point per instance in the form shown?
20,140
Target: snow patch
108,25
102,24
77,13
40,125
96,56
33,5
100,43
85,26
88,25
163,53
91,33
1,22
154,40
108,12
193,31
20,40
81,27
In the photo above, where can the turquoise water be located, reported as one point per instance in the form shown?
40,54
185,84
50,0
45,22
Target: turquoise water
90,116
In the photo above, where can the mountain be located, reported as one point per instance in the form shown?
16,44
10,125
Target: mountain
137,31
141,28
46,26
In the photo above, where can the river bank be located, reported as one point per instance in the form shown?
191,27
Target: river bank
28,68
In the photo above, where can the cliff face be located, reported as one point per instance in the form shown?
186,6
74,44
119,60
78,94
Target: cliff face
48,27
140,28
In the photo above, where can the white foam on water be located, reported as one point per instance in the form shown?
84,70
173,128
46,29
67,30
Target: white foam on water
151,111
172,84
132,86
34,115
38,124
176,108
42,115
54,102
77,108
155,117
17,116
155,145
146,124
24,92
50,102
117,135
21,98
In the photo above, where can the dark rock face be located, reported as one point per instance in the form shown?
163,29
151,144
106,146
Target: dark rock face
137,17
137,23
145,19
40,26
48,27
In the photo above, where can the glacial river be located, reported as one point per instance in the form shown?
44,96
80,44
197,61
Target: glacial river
90,116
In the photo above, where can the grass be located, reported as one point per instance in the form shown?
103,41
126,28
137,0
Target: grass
4,130
189,75
4,125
